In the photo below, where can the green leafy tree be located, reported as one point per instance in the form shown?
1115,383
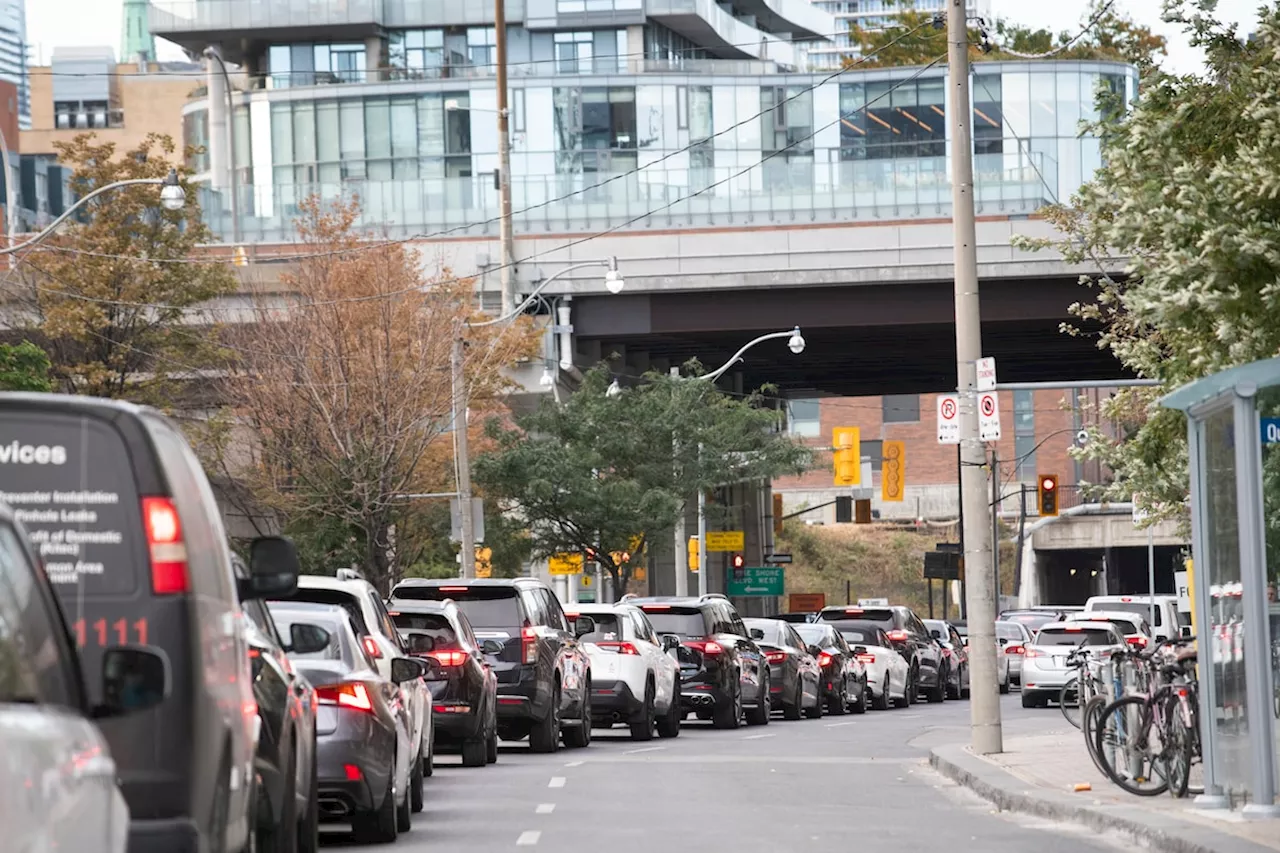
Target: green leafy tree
604,475
112,294
24,367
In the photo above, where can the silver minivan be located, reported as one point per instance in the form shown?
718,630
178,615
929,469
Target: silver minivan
57,778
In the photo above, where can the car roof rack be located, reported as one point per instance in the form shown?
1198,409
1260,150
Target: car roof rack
631,596
346,574
705,596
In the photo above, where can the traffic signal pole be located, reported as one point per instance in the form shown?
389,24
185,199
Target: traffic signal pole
984,706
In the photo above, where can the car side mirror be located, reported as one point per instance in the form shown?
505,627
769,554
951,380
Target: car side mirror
583,625
1184,632
1001,640
273,569
814,650
669,642
134,678
491,647
757,634
307,639
406,669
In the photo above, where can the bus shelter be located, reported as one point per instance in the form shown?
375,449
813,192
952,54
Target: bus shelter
1233,444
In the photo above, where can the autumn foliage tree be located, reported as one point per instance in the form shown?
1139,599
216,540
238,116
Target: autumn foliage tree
112,295
345,386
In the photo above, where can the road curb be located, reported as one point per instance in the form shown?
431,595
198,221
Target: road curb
1166,833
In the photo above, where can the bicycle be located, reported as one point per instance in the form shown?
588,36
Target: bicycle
1077,693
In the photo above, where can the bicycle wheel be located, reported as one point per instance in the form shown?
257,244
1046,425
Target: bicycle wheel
1069,700
1125,748
1091,717
1176,755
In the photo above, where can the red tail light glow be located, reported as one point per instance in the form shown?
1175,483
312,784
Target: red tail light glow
1073,629
619,648
867,658
371,647
1137,640
709,648
352,772
453,589
1015,650
166,547
345,696
1032,653
775,657
898,636
529,645
649,608
824,660
449,657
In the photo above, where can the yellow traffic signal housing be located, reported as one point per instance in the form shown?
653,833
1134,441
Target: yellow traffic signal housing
692,551
484,568
777,514
893,471
846,456
1048,489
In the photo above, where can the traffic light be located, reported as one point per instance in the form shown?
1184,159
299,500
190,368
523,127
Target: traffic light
1048,485
846,456
893,470
484,568
738,563
692,551
777,514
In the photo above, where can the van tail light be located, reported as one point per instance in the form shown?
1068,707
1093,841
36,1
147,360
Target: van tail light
529,645
1137,640
371,647
449,658
898,636
867,658
167,550
775,657
619,648
709,648
1015,650
824,660
353,696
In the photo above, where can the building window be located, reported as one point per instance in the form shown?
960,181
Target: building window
803,418
889,120
416,54
573,52
595,129
900,408
874,453
312,64
786,133
1024,434
669,47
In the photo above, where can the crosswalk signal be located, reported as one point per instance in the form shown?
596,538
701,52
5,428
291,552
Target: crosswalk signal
739,563
1048,488
846,456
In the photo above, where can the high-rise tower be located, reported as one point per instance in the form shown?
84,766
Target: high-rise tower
135,33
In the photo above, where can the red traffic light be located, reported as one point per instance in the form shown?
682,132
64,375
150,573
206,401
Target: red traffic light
1048,483
738,561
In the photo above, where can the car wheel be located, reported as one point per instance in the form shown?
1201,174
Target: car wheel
380,826
953,692
282,836
967,683
642,723
839,705
429,763
545,734
860,707
475,752
220,812
415,785
728,715
881,702
938,692
579,736
669,723
1004,688
404,814
759,715
794,709
491,744
309,828
908,693
1029,701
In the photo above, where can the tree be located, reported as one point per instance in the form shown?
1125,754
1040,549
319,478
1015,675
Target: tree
113,294
603,475
1188,193
24,367
911,39
346,390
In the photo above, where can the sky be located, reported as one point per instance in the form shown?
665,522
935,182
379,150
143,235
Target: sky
85,23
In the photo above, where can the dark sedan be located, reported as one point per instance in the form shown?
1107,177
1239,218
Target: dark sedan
955,654
795,678
363,740
464,689
844,677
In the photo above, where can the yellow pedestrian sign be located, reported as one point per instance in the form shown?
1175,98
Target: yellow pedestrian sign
725,540
565,564
484,568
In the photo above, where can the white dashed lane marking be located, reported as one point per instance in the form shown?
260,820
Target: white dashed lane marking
528,838
646,749
757,737
545,808
556,782
574,764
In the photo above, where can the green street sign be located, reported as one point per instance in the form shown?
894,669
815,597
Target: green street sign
760,580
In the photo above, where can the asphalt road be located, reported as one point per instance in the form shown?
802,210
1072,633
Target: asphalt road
853,782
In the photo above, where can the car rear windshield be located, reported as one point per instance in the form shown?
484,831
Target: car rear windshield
486,607
819,635
1008,632
864,637
608,628
880,617
68,480
1141,608
1063,637
339,648
1030,619
681,621
413,626
347,601
767,631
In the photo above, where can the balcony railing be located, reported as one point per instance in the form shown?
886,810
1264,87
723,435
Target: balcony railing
798,191
201,16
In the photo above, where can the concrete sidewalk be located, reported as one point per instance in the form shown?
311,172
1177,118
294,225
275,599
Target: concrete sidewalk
1036,775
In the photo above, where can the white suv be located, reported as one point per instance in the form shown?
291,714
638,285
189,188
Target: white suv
635,677
382,643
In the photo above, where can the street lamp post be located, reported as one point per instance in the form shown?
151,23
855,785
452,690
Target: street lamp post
614,281
172,197
215,56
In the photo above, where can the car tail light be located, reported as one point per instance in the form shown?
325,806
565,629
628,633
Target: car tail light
650,608
1032,653
352,772
1138,640
371,647
775,657
824,660
619,648
1015,650
165,545
449,658
456,708
254,654
1073,629
709,648
345,696
898,636
867,658
529,645
570,616
853,611
453,589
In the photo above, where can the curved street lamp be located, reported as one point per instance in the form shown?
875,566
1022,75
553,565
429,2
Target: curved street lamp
172,197
613,281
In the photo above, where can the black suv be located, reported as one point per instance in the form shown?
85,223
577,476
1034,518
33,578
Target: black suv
464,690
544,684
722,670
910,638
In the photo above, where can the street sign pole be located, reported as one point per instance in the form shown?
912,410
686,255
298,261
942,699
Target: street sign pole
1151,573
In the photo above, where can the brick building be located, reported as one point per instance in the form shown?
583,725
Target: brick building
1037,430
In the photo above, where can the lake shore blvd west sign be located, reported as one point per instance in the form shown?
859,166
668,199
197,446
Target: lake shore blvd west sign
757,580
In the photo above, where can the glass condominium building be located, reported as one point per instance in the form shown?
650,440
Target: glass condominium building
623,114
872,15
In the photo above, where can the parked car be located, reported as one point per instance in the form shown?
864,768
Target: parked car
795,679
1135,628
381,641
544,677
364,748
1045,670
722,671
464,688
1013,638
797,617
1034,618
635,678
956,657
287,812
909,638
888,675
1170,622
118,506
844,677
47,731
